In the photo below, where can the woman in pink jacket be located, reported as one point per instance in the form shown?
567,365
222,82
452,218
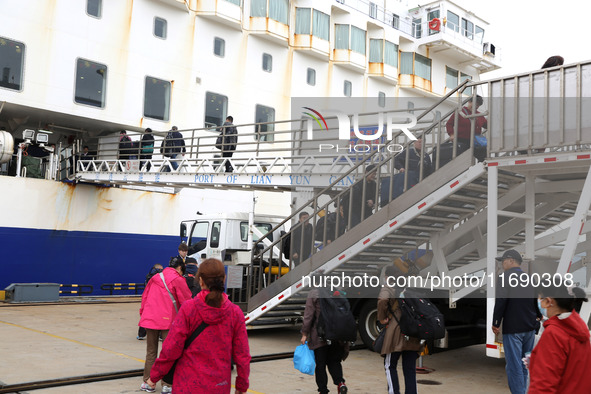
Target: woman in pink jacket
158,311
205,366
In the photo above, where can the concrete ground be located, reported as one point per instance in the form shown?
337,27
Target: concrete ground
45,342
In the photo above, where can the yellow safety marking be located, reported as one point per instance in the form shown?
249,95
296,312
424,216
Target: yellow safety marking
90,346
73,341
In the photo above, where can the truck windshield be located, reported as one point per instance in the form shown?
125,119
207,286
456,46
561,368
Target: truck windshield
262,227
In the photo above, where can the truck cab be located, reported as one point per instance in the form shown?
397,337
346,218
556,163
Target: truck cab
226,236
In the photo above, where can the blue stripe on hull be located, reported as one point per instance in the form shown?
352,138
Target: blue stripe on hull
80,257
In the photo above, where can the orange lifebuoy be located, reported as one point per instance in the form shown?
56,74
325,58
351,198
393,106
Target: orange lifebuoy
434,24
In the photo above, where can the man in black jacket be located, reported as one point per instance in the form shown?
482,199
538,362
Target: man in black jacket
172,147
516,306
229,139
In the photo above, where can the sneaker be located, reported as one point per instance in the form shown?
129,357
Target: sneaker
146,387
342,388
140,338
166,389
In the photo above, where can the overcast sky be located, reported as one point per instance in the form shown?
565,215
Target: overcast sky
528,32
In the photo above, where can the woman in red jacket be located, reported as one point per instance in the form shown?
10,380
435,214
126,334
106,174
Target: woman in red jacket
205,366
158,311
561,361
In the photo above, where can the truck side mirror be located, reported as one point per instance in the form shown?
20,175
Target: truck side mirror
183,230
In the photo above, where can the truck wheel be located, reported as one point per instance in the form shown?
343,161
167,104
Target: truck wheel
368,322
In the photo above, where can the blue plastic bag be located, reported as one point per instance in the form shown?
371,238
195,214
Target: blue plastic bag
303,359
480,141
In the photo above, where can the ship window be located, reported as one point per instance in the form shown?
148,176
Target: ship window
451,77
391,54
94,8
214,240
373,10
157,99
422,67
376,53
413,63
453,21
406,60
358,40
479,34
12,57
303,19
219,47
91,82
416,27
341,33
468,28
267,62
216,107
264,114
311,77
395,21
278,9
347,88
160,27
463,77
382,99
320,25
430,16
237,2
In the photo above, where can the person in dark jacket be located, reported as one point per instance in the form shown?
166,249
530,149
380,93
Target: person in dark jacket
561,361
326,355
301,239
361,202
146,149
517,308
396,345
172,147
125,146
229,139
412,172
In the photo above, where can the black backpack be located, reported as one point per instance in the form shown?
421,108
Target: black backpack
420,318
336,321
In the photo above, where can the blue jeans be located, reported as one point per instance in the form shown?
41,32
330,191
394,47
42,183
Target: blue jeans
516,345
409,361
173,163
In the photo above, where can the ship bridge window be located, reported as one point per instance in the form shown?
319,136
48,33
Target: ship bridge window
160,26
278,10
157,99
467,28
479,34
91,83
265,115
430,16
453,21
12,57
94,8
395,21
219,47
267,62
311,77
216,108
417,30
413,63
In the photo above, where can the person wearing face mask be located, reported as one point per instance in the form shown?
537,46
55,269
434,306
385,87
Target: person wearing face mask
516,307
561,361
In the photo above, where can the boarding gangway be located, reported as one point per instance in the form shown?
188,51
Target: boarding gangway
535,179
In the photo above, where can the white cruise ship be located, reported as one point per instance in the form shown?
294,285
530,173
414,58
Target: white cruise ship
79,71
